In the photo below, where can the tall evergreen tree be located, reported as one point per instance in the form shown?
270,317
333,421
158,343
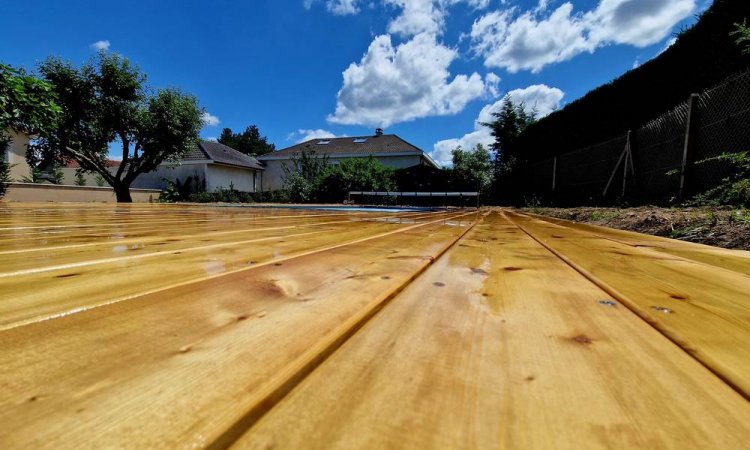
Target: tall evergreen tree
509,123
249,142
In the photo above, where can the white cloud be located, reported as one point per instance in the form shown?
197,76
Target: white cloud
336,7
424,16
670,42
534,39
342,7
491,84
100,45
636,22
397,84
538,98
212,139
303,135
210,120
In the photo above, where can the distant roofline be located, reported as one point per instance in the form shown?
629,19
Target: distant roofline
273,157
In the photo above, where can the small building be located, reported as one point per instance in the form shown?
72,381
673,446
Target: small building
216,164
389,149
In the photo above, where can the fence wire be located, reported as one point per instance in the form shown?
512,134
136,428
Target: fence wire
720,123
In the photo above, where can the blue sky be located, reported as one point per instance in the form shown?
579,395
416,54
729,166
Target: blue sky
426,70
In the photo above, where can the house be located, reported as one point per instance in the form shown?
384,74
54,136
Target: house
15,155
216,164
89,179
389,149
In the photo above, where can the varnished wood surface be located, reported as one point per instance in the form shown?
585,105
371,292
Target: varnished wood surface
737,260
705,309
502,345
187,326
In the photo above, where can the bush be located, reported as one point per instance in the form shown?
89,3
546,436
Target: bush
734,189
178,191
234,196
4,166
356,174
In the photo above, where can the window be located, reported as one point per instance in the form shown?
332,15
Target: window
360,140
323,142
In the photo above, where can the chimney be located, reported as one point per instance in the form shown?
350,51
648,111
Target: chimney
378,132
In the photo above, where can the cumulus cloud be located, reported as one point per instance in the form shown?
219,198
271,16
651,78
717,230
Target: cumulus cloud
400,83
100,45
533,39
670,42
424,16
303,135
210,120
538,98
337,7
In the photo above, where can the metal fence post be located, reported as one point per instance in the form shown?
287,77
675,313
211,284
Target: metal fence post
689,137
554,173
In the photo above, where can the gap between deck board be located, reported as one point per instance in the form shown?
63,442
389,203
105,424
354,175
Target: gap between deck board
680,246
319,353
34,320
633,307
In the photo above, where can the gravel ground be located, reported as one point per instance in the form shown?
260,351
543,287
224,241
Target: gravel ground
718,226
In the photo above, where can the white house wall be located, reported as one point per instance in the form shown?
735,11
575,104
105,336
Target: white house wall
272,176
220,176
16,156
155,179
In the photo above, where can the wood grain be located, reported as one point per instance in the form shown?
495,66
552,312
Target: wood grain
703,308
737,260
180,367
500,344
62,289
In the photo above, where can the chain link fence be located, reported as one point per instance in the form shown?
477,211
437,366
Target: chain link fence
647,164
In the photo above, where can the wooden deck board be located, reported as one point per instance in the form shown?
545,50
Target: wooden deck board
300,328
35,296
501,345
182,366
737,260
707,309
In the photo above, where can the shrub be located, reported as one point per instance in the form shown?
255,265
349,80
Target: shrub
177,191
80,178
235,196
4,166
734,189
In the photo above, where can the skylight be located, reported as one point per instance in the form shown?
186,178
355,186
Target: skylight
323,142
360,140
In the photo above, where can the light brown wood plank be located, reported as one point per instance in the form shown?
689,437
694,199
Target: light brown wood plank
176,369
707,308
39,296
57,239
500,344
737,260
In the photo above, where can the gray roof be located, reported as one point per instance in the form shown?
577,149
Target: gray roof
222,154
350,146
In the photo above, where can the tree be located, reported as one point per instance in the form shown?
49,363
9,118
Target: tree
27,104
742,36
509,123
472,169
249,142
303,176
355,174
106,102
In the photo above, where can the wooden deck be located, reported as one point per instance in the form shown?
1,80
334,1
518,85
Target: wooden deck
170,326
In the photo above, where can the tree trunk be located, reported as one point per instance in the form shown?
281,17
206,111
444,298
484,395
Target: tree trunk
122,191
